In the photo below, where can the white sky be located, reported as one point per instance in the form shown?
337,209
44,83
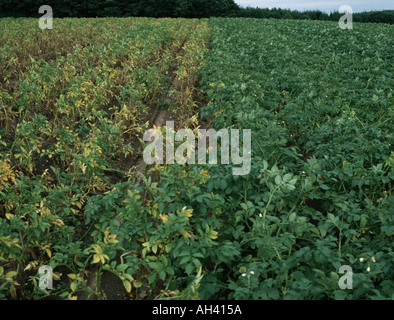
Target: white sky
327,6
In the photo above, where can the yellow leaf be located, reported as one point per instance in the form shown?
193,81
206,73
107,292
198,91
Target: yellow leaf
137,283
186,234
96,258
72,276
56,276
189,213
31,265
213,234
106,233
73,286
128,277
165,218
127,285
45,211
98,249
9,216
146,244
58,222
10,274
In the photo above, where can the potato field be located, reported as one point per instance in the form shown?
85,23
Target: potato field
77,197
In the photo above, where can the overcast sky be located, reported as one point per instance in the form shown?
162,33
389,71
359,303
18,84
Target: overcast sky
327,6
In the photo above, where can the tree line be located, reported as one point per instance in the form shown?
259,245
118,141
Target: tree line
173,8
121,8
385,16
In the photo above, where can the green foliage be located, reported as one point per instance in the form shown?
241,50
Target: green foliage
319,194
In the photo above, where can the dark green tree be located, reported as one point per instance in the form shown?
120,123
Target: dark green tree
172,8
